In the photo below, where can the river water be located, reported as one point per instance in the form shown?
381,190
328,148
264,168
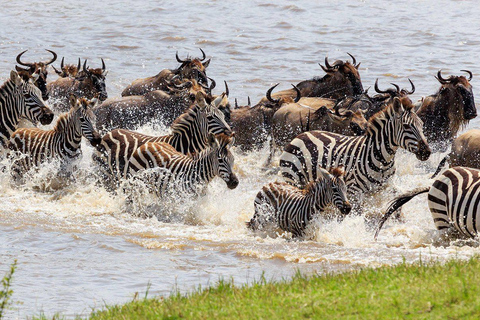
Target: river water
78,249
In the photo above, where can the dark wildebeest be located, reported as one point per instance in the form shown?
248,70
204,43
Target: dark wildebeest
68,70
194,69
39,68
465,152
88,83
133,111
342,80
448,110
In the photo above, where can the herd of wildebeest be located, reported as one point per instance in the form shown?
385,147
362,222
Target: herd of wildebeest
337,141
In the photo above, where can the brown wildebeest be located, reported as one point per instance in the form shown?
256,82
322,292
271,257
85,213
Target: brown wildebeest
39,68
133,111
88,83
253,124
447,111
194,69
342,80
68,70
465,152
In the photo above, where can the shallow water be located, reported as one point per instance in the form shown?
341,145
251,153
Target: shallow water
77,249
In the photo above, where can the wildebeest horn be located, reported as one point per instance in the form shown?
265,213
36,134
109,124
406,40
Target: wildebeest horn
23,63
396,87
212,84
269,92
227,92
103,65
329,67
413,87
85,65
354,61
56,71
323,68
203,55
53,58
469,73
440,78
79,65
299,94
178,59
377,89
236,103
61,63
249,103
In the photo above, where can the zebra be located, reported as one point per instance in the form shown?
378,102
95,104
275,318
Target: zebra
292,208
186,173
453,199
189,135
20,98
369,160
62,142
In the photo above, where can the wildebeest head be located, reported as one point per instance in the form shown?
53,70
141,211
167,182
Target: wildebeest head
343,75
193,68
69,70
275,104
384,97
457,90
92,81
39,68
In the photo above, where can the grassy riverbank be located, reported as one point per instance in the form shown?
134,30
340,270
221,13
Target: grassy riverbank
433,291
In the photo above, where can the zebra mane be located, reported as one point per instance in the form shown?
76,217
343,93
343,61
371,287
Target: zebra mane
60,125
383,115
184,118
4,85
322,176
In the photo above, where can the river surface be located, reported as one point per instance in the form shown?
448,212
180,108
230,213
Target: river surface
78,249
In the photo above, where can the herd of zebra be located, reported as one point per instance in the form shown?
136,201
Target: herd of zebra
352,155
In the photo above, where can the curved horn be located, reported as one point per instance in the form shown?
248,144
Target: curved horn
299,94
236,103
353,59
249,103
178,59
61,63
377,89
440,78
103,65
53,58
329,67
413,87
469,73
227,92
323,68
57,72
85,65
213,84
203,55
269,92
23,63
396,86
79,65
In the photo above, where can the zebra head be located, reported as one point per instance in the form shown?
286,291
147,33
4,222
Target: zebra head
409,130
339,190
86,118
32,105
224,158
216,123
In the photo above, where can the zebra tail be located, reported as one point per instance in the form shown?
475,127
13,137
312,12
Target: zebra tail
397,203
440,166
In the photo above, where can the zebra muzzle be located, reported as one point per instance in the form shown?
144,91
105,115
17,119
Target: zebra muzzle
232,183
346,208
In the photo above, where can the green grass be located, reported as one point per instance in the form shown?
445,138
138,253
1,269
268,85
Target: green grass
419,291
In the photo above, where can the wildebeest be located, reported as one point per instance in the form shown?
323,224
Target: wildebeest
39,68
342,79
68,70
88,83
190,68
447,111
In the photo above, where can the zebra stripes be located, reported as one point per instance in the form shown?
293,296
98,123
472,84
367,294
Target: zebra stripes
20,98
62,142
368,160
292,209
453,199
189,135
188,174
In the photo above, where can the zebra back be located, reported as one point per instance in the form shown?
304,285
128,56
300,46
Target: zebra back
368,160
21,98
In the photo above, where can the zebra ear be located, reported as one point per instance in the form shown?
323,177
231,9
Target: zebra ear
73,100
15,78
212,141
397,105
337,171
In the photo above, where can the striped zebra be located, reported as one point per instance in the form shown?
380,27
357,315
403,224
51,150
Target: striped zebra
189,135
62,142
369,160
20,98
453,199
291,208
185,173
